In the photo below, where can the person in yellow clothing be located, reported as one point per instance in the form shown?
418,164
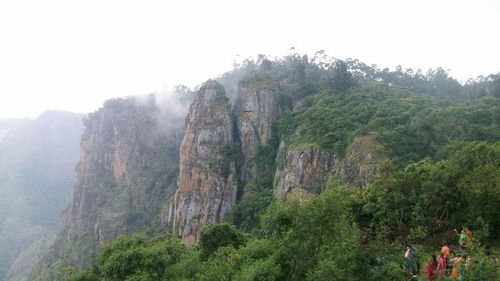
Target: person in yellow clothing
456,261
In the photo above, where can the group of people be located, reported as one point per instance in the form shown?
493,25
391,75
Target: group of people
451,262
448,262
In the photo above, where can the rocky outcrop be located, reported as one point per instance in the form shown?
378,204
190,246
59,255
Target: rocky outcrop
362,160
127,172
207,185
307,169
122,168
257,109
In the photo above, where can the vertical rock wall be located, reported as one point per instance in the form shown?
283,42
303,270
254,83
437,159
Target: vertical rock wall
307,169
207,183
256,112
126,172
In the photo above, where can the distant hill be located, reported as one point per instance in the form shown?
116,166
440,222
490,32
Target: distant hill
37,163
7,125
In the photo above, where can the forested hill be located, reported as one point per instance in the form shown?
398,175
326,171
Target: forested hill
293,168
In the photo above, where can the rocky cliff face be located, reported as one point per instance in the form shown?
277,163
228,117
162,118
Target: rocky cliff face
220,147
123,153
207,185
125,177
256,111
362,159
307,169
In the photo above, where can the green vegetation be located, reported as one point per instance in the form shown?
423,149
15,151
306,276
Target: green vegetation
410,126
429,198
342,234
259,80
245,214
218,88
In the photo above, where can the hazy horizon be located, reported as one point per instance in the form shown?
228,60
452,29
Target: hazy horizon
61,55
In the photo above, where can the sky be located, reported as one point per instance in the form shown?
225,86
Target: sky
73,55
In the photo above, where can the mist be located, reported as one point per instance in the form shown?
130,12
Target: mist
37,168
56,58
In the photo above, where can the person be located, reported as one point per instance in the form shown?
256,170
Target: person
409,259
441,266
462,239
468,232
445,250
455,262
430,268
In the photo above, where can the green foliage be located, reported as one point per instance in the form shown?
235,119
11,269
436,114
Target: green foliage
214,85
245,214
215,236
482,266
136,258
411,127
264,160
83,276
341,234
222,265
429,197
342,78
230,152
259,80
385,261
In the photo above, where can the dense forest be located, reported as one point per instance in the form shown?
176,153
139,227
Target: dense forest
438,141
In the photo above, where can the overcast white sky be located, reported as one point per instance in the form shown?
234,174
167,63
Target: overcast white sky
73,55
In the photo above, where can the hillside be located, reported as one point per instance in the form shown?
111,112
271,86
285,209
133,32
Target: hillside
37,160
286,169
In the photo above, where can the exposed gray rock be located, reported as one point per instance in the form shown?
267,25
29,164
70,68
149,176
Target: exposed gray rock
207,183
256,112
308,169
362,160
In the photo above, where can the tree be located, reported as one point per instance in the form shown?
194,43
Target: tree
215,236
496,86
342,78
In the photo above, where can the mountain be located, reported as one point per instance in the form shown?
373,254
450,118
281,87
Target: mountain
287,151
37,161
7,125
125,178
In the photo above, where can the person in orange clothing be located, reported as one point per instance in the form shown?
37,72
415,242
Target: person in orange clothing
445,250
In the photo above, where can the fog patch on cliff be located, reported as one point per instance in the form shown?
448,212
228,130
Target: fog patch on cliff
171,106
